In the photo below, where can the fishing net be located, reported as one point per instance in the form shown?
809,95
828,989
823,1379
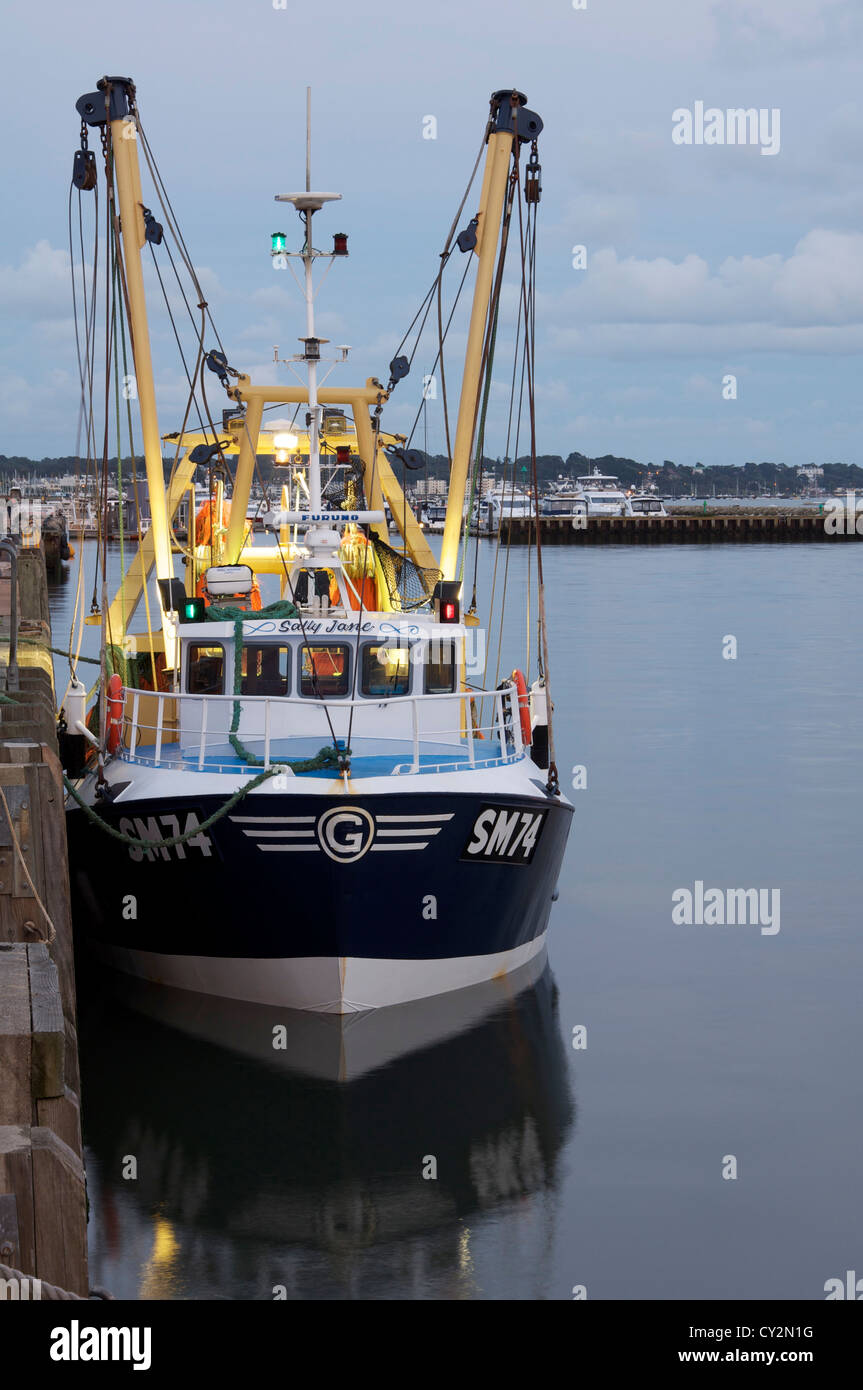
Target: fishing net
345,489
409,585
135,669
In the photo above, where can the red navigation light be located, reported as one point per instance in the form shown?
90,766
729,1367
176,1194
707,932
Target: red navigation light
446,601
343,453
340,243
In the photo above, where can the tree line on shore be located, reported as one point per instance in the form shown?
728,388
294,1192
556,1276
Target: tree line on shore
667,477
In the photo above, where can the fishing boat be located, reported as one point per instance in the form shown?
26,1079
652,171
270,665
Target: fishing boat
314,803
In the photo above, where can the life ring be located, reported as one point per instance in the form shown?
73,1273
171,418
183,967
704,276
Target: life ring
115,713
520,684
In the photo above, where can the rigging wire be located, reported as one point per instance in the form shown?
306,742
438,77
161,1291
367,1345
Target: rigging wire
529,296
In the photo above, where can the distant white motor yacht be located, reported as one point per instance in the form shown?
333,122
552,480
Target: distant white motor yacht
602,495
647,504
502,503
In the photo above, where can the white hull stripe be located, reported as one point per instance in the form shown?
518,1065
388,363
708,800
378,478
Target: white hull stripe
324,984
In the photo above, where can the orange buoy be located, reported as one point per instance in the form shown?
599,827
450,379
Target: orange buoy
523,706
115,713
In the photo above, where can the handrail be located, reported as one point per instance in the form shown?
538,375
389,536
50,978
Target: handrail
504,729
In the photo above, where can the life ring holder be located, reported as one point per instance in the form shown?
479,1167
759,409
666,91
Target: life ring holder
115,704
520,684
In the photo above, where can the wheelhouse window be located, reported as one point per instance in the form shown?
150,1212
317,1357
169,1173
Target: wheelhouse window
385,670
205,672
265,669
324,669
440,669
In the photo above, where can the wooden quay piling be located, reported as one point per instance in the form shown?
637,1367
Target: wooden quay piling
682,528
43,1213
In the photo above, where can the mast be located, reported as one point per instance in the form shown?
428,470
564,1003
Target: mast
114,105
510,125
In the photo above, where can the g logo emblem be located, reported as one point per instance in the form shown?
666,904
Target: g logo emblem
345,833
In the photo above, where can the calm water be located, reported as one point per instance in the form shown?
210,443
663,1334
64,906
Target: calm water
556,1167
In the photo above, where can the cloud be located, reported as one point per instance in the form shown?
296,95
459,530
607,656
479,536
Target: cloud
796,25
40,286
810,301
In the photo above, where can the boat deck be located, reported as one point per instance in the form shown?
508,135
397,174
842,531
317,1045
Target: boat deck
369,757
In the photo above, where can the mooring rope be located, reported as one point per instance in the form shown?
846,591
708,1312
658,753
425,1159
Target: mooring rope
52,930
324,758
173,840
50,1292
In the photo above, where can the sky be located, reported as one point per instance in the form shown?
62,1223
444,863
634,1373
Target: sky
701,262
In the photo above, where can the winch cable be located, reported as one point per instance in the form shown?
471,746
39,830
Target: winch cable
441,335
486,369
85,408
119,447
125,323
376,436
516,401
436,291
439,354
170,313
131,432
101,538
528,250
171,220
304,639
444,258
86,364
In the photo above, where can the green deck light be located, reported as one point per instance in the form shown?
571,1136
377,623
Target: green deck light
280,242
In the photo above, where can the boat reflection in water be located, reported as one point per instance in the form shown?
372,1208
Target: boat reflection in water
299,1169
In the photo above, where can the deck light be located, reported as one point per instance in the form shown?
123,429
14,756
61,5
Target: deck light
285,441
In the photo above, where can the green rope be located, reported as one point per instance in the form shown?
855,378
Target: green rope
174,839
214,614
325,757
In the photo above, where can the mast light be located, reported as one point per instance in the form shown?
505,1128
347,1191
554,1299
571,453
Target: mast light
312,347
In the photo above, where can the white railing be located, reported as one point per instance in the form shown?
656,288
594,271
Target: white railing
161,728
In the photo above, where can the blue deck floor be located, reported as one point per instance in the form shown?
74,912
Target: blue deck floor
369,757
